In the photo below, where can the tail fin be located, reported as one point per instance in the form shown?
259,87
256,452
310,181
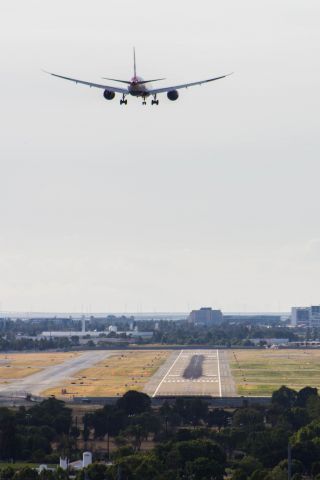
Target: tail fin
134,62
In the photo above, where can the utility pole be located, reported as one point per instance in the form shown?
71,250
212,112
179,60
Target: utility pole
289,462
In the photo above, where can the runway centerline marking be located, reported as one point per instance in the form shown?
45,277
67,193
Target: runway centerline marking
168,372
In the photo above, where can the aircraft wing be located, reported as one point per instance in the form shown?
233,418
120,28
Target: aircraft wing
90,84
185,85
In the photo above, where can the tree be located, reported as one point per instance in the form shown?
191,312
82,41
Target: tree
7,473
191,450
248,465
8,438
247,417
141,465
307,452
134,402
259,475
136,433
47,475
149,423
277,474
284,397
298,417
315,469
51,412
26,473
313,406
218,417
96,471
204,468
304,394
268,446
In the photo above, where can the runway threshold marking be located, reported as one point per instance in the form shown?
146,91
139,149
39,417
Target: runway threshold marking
156,391
220,392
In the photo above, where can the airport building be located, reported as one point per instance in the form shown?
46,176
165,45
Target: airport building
275,342
305,316
206,316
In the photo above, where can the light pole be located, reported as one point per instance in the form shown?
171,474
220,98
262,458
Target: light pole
289,461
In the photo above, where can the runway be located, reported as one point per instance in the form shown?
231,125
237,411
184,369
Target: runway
194,373
53,376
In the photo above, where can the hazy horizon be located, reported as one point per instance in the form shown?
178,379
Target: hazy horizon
210,200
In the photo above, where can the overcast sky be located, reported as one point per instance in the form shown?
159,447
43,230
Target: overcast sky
210,200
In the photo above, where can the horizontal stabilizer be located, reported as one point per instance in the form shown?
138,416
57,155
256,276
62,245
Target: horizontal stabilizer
142,82
138,82
116,80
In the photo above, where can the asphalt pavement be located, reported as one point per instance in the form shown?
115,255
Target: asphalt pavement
53,376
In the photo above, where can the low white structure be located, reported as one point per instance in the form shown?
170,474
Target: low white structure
270,341
66,334
63,463
77,464
86,459
113,328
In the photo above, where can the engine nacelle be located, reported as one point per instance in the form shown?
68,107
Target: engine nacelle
173,95
109,95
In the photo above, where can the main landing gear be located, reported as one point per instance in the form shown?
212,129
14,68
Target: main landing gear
155,101
123,101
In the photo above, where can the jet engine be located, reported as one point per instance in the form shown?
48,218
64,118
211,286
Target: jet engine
173,95
109,95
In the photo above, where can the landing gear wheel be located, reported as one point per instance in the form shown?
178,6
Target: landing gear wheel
154,102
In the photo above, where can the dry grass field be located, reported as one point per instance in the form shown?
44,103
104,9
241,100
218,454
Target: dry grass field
113,376
20,365
260,372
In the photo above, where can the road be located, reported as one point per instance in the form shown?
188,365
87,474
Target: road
53,376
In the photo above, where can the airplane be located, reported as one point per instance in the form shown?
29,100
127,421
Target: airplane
137,87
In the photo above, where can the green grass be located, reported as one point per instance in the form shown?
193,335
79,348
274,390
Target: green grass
260,372
18,465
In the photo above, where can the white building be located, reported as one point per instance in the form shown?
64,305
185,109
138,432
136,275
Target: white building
113,329
67,334
77,464
305,316
270,341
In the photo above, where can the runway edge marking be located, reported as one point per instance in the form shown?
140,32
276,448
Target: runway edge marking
156,391
220,392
